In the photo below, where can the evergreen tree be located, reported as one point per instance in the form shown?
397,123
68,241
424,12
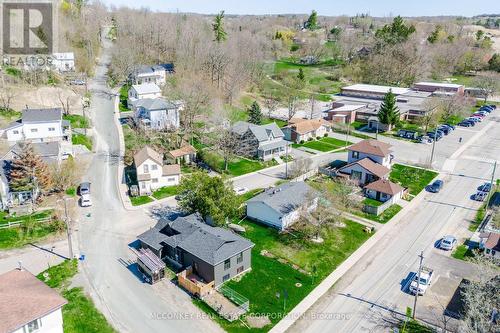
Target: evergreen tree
301,76
28,172
396,32
312,21
218,28
389,111
255,114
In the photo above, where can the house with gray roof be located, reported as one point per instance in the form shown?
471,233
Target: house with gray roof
214,254
142,91
38,125
279,207
152,74
259,141
157,113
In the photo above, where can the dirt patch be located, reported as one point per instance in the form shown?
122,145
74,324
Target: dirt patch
258,321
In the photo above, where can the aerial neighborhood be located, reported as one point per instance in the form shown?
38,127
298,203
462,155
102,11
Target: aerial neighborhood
250,172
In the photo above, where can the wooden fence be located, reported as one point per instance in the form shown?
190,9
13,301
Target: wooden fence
18,223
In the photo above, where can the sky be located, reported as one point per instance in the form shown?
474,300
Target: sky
380,8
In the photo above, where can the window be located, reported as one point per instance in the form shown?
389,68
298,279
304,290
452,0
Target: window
154,167
146,168
227,264
239,258
171,179
355,154
225,278
33,326
493,252
34,130
15,132
488,251
154,180
356,174
52,129
239,270
143,185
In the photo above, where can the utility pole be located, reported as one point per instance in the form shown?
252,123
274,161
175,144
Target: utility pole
421,256
68,228
433,147
376,133
286,161
492,184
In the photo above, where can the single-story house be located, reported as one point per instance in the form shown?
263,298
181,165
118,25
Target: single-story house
157,114
364,171
279,207
384,190
343,112
29,305
152,173
304,129
259,141
142,91
212,253
490,242
50,152
377,151
185,154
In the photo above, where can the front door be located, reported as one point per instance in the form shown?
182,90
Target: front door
377,196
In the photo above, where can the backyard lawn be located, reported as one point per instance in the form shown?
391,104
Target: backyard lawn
237,166
270,277
165,192
79,314
323,144
415,179
77,121
123,98
80,139
142,200
382,218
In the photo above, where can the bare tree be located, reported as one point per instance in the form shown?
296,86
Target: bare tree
6,96
487,84
226,145
299,167
65,101
271,103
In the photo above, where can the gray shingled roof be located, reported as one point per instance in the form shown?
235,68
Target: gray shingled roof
261,132
154,104
285,198
43,149
41,115
191,234
146,88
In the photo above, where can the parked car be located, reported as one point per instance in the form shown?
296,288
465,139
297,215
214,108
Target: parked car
445,129
478,115
486,187
474,119
465,124
484,113
85,200
435,135
493,106
448,243
451,127
425,139
407,134
241,190
421,286
480,196
436,186
84,188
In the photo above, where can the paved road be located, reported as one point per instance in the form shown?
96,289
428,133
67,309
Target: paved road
370,293
129,304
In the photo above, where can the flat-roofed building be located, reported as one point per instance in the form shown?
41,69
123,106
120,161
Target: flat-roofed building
371,90
442,87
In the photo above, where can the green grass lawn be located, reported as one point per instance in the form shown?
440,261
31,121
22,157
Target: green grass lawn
80,314
323,144
269,276
80,139
165,192
372,202
29,231
385,217
413,326
124,97
237,166
462,252
77,121
137,201
415,179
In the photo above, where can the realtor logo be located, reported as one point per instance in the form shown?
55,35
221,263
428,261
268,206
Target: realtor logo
27,27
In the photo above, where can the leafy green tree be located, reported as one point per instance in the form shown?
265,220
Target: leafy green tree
396,32
335,33
312,21
434,36
494,62
212,197
479,35
255,114
218,28
389,111
301,76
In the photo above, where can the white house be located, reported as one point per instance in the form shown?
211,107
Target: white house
152,74
279,207
28,304
305,129
377,151
142,91
157,113
38,125
384,190
152,173
364,171
63,62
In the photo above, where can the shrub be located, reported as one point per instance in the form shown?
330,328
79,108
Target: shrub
318,137
325,135
310,139
294,47
301,141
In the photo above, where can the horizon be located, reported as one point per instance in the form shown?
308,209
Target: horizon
385,8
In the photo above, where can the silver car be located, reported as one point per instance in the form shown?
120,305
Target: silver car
448,243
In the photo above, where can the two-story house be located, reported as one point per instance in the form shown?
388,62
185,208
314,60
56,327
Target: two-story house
152,173
214,254
259,141
157,113
38,125
152,74
299,129
29,305
142,91
63,62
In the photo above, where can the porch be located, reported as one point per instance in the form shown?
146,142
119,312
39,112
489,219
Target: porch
194,284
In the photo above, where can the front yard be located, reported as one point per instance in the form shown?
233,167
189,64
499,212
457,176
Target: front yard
77,121
324,144
237,166
283,265
415,179
80,139
124,97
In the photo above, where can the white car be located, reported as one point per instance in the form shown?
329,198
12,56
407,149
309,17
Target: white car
85,200
448,243
241,190
425,281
